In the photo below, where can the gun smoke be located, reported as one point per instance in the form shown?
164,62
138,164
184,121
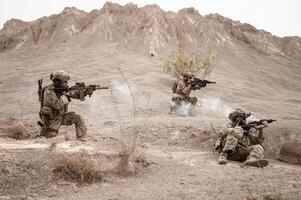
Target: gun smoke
214,107
184,109
122,89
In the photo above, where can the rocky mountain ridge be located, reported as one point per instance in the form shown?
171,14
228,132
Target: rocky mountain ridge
147,29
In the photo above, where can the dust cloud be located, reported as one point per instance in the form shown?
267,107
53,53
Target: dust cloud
214,107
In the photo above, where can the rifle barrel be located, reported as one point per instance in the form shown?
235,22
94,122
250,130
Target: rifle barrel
104,87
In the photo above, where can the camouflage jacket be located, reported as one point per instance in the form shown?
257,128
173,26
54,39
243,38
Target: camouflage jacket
252,138
53,101
183,90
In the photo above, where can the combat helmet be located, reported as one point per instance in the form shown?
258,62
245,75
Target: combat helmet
187,74
238,116
60,75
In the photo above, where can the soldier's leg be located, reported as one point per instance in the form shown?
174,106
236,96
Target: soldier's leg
255,157
232,141
256,152
240,154
50,127
73,118
230,146
173,107
177,100
193,100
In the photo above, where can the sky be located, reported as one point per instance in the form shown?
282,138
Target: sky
280,17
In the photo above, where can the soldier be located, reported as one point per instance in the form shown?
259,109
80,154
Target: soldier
54,100
182,89
234,143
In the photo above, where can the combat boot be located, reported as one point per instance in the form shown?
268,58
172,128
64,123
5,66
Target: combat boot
253,162
82,138
172,109
222,158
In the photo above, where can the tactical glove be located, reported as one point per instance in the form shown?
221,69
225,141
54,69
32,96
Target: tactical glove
64,99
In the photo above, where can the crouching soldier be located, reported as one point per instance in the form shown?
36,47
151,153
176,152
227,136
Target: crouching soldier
235,143
182,89
54,100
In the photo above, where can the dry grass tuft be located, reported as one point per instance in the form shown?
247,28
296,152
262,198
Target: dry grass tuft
272,196
79,167
14,129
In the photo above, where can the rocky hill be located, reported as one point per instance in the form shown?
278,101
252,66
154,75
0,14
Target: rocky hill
147,29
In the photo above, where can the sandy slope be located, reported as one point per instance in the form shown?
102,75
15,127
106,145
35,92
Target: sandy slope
184,165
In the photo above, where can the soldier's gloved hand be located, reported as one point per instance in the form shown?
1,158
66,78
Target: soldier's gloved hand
248,114
217,143
64,99
265,124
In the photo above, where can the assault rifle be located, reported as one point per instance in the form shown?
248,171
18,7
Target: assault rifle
254,124
80,88
197,83
84,90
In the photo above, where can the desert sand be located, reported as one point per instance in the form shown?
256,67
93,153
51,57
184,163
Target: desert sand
260,79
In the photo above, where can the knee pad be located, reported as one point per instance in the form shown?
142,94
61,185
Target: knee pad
194,100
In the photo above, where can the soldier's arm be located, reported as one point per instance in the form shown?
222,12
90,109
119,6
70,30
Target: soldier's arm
180,87
187,89
258,139
55,102
261,137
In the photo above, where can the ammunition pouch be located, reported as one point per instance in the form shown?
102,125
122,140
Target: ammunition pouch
46,112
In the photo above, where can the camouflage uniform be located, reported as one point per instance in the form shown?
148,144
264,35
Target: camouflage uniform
239,146
54,113
234,144
183,91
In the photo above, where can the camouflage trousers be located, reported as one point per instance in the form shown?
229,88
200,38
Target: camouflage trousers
231,140
242,153
51,126
179,100
239,152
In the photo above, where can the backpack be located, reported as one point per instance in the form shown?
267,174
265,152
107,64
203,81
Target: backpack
41,91
174,87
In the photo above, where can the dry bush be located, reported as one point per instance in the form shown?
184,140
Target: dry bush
140,158
251,198
79,167
180,62
272,196
15,129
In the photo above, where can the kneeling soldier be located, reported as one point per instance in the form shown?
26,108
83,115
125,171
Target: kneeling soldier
54,100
